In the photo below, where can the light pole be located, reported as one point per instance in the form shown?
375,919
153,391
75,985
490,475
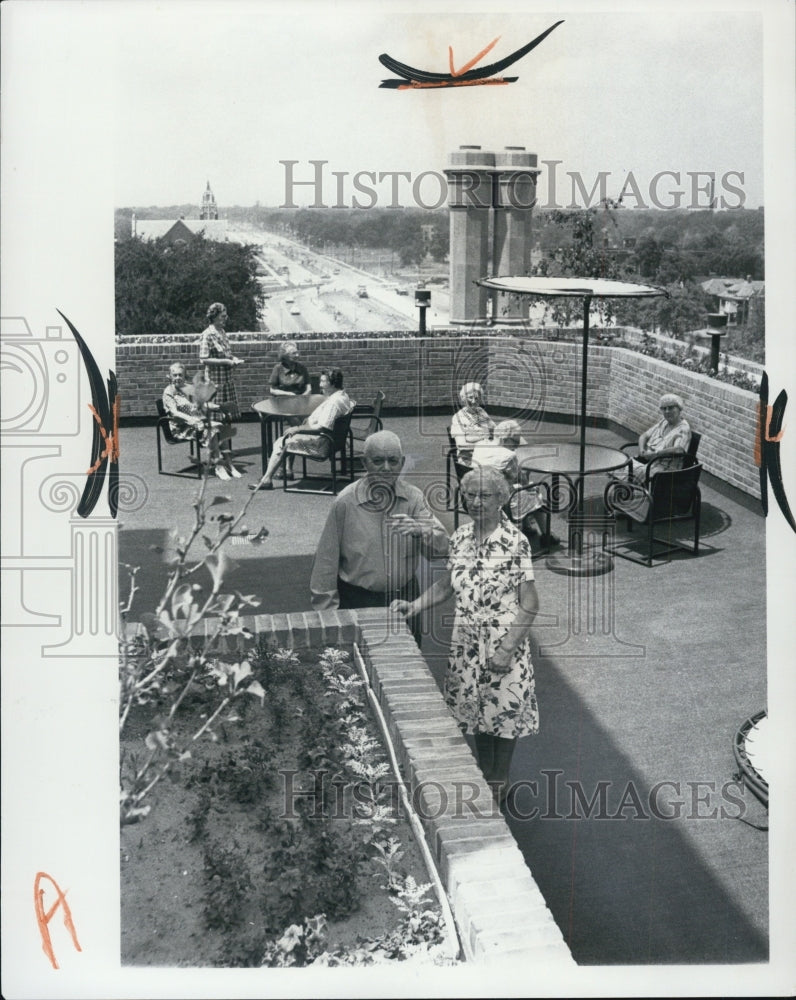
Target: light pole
422,301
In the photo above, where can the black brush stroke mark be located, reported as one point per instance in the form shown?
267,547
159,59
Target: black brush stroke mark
103,402
426,76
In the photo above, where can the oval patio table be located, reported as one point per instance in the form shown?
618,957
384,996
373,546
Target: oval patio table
272,412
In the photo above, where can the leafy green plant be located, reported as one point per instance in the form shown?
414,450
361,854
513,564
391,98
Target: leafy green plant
227,886
159,667
197,820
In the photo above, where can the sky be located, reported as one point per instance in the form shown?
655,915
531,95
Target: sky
224,93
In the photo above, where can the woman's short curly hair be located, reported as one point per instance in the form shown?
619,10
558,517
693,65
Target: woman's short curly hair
215,310
490,477
284,348
471,387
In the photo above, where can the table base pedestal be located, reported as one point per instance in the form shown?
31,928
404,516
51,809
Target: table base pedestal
589,562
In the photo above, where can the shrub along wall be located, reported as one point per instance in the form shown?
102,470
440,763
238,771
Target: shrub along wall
536,379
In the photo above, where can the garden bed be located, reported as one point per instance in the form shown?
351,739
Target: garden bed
278,839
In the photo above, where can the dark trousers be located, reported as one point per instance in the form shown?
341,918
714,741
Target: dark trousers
352,596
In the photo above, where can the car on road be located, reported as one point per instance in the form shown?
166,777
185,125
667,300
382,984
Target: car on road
295,311
402,291
362,292
289,301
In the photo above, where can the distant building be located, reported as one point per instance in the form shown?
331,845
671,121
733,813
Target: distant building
209,208
183,230
736,298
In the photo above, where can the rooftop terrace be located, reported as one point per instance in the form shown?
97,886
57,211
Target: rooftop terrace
670,869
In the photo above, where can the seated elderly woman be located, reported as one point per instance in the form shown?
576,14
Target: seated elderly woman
665,444
489,684
471,423
500,454
289,378
305,439
187,416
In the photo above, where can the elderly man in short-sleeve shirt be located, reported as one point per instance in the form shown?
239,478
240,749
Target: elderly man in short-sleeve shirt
374,535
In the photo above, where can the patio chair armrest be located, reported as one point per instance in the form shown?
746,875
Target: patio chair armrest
325,431
629,445
368,417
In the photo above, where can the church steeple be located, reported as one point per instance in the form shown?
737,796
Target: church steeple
209,207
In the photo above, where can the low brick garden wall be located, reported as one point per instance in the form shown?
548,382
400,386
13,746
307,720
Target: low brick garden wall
532,379
499,910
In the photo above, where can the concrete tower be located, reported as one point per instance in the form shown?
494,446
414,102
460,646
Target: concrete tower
470,202
209,208
514,198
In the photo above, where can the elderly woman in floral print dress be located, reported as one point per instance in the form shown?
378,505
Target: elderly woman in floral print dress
489,685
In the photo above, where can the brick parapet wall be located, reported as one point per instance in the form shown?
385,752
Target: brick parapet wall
500,912
531,378
723,414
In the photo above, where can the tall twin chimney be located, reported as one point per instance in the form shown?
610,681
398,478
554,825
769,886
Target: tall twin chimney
483,188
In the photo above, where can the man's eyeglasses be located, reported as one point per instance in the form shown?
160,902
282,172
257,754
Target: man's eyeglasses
469,497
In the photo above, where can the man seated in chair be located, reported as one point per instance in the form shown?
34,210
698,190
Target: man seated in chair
187,417
665,445
374,535
305,439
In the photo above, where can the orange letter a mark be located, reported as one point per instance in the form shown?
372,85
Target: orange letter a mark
43,918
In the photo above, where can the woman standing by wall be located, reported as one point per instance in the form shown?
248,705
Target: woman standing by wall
216,355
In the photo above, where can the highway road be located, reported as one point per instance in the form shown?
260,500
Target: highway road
310,292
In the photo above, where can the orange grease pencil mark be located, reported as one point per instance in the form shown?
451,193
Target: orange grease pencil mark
473,61
769,410
43,917
777,437
419,85
111,449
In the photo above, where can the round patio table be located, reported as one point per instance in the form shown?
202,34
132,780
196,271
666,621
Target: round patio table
272,412
585,289
563,458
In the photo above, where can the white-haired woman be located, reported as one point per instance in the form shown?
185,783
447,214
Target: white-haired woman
289,378
489,684
665,444
471,423
526,505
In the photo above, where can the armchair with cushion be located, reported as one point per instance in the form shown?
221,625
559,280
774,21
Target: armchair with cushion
340,443
631,450
194,442
668,497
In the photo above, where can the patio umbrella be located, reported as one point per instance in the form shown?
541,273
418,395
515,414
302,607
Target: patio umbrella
586,289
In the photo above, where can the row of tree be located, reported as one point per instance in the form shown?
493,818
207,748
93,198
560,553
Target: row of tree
586,245
163,288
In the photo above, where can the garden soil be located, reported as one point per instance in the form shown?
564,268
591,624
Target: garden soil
179,911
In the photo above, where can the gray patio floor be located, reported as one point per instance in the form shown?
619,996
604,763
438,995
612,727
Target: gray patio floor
643,678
